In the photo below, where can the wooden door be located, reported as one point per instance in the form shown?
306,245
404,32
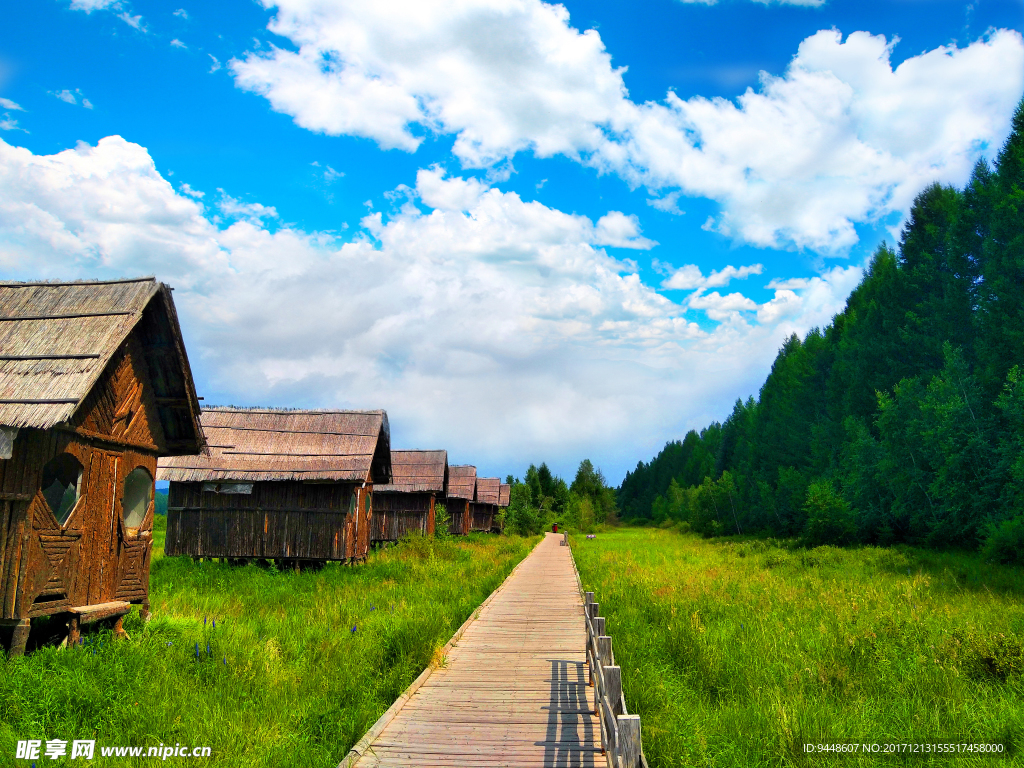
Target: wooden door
101,526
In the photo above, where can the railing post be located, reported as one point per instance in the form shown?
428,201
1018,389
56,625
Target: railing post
613,687
629,740
588,598
621,737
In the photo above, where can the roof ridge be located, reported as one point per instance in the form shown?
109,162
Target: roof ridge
283,410
56,283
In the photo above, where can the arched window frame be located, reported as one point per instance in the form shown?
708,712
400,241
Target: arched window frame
133,530
79,496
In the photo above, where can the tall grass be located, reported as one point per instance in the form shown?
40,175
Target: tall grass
736,653
267,668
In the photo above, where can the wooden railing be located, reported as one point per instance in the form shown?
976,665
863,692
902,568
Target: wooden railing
620,731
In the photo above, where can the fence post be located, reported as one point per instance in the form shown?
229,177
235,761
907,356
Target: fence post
613,686
595,608
629,740
598,626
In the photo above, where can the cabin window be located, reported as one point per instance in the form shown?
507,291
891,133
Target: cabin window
62,482
243,488
138,493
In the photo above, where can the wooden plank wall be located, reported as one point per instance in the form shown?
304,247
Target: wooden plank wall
481,516
458,516
396,514
288,520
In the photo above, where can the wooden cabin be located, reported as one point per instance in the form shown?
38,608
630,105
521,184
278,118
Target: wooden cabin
94,386
406,504
461,491
289,485
485,507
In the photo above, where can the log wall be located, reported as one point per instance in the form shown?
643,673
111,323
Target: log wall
481,516
396,514
458,516
278,520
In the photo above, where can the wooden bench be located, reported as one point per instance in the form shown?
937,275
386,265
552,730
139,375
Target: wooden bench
87,614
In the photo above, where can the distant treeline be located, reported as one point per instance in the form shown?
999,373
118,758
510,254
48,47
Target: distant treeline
542,498
903,420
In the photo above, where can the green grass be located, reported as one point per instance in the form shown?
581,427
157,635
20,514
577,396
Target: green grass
736,653
286,682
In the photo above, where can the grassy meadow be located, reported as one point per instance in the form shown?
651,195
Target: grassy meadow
737,652
267,668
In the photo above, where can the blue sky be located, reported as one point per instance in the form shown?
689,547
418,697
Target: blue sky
530,232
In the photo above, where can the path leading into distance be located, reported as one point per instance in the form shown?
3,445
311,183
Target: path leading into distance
514,691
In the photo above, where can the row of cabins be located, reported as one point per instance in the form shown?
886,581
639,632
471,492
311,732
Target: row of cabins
423,479
97,401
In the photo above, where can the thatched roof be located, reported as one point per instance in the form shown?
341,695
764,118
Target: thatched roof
487,490
57,338
462,482
417,472
504,492
260,444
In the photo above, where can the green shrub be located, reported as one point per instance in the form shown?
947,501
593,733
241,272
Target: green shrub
441,521
522,518
829,518
1005,541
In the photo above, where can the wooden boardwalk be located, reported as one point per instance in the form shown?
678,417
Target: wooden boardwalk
514,691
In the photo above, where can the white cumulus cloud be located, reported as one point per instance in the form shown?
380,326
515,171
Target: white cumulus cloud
841,137
93,5
689,276
503,76
72,97
496,327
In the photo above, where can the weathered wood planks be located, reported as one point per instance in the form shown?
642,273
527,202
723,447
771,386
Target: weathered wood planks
514,689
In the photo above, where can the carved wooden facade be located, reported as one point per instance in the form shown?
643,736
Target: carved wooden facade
294,486
94,386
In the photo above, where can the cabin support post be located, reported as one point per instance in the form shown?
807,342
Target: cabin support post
74,631
19,638
144,612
